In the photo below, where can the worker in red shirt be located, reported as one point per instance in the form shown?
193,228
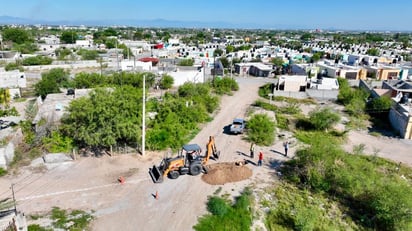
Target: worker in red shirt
260,158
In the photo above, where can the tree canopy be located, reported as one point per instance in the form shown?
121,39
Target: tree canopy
16,35
68,37
51,82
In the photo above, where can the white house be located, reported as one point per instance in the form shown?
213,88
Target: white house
130,65
13,80
294,83
84,43
181,77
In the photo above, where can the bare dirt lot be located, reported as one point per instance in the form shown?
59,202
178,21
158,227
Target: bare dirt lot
91,183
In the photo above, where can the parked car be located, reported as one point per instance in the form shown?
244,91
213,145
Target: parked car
238,126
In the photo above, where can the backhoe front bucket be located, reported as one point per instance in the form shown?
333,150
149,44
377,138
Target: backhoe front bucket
156,174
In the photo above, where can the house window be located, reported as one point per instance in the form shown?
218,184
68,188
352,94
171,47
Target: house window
392,75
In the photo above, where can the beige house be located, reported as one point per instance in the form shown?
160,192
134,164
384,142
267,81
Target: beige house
344,71
383,72
294,83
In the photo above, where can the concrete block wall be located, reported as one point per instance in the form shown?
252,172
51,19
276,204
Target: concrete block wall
398,121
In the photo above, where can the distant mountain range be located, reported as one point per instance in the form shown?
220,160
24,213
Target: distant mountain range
143,23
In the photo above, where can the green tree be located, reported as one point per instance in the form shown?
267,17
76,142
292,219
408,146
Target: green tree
26,47
323,119
382,103
138,35
16,35
218,52
306,36
88,54
373,51
261,129
62,53
89,80
229,49
51,82
278,64
225,62
315,57
166,82
105,118
110,32
68,37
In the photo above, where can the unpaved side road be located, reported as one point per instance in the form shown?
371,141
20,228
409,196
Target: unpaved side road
182,201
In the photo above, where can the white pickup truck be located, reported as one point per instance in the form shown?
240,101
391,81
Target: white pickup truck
238,125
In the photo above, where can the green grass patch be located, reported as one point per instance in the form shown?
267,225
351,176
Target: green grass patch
294,209
282,122
76,220
294,100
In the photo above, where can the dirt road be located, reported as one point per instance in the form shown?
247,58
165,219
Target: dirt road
91,183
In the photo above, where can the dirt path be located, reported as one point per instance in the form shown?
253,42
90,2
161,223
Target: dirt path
397,150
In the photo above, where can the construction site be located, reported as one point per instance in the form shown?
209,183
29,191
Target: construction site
164,190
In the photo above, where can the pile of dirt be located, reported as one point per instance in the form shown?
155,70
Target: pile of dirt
222,173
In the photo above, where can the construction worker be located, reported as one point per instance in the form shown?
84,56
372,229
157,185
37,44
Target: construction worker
260,158
286,146
252,150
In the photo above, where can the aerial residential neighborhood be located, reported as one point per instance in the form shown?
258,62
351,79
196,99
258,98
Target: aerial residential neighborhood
183,125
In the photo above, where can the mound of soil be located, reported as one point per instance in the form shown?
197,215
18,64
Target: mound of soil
222,173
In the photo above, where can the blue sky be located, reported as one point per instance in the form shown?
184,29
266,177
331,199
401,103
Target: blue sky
338,14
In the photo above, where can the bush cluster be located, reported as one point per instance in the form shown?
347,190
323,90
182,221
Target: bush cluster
370,188
227,216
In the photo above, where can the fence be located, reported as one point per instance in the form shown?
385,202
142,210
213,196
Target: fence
309,93
116,149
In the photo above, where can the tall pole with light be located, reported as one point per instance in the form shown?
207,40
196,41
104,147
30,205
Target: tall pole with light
144,116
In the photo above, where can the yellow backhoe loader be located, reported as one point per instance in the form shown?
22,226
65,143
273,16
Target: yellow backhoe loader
189,161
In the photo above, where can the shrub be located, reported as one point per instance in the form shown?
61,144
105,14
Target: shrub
217,206
37,60
166,82
374,195
57,142
225,85
3,171
14,66
186,62
323,119
261,129
226,216
265,90
88,54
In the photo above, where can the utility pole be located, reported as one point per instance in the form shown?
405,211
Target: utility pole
231,64
14,199
117,58
144,115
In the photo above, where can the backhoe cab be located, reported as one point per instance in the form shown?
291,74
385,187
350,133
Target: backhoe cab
189,161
